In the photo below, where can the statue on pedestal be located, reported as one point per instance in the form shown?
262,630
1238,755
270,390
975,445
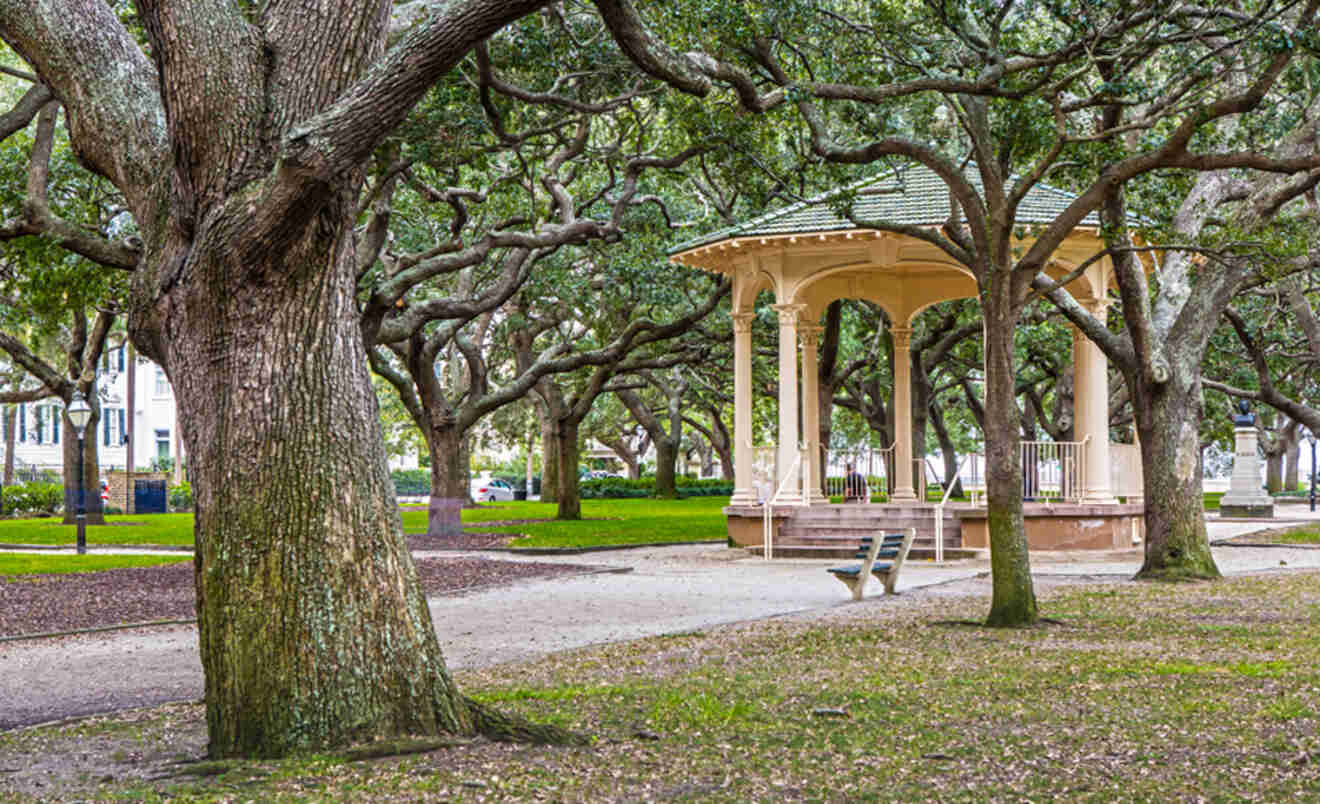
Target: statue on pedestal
1245,497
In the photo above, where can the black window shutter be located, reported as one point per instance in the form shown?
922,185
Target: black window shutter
22,422
122,432
106,421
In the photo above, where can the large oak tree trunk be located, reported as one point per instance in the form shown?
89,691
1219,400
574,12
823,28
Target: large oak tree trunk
570,497
1013,599
450,487
1168,420
549,461
666,455
294,498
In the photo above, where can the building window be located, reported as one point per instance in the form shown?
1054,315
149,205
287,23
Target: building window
163,444
112,360
113,427
162,382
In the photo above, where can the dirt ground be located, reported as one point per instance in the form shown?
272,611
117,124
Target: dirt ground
38,604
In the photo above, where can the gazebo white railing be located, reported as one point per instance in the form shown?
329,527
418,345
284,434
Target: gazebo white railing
876,465
1054,471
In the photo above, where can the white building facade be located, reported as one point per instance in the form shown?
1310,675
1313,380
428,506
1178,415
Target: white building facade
151,420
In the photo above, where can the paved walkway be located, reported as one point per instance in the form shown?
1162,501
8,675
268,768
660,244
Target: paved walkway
671,589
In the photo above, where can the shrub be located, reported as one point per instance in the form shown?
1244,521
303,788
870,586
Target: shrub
622,487
181,498
31,498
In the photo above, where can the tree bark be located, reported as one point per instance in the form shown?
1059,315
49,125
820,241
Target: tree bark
283,674
1013,600
666,455
1168,418
948,452
549,459
570,498
450,486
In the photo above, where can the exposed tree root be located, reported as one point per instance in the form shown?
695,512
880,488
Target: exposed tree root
505,728
401,746
1178,574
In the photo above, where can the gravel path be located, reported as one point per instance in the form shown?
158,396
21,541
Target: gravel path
670,589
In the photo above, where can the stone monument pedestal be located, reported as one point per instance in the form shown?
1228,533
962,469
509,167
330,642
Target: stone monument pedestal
1245,497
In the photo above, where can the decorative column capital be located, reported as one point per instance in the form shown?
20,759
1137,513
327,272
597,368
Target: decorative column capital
809,334
788,313
1097,307
742,323
902,337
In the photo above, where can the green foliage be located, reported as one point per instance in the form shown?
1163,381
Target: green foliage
622,487
32,498
180,496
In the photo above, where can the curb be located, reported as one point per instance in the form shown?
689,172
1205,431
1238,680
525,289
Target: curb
1267,545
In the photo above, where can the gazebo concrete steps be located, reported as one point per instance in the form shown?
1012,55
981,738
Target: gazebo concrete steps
834,531
782,550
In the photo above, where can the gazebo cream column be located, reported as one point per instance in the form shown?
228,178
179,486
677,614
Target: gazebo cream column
788,477
744,478
809,334
902,490
1091,408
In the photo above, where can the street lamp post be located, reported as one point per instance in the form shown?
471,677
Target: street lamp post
79,412
1310,436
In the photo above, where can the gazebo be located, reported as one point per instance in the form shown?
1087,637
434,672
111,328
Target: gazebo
808,255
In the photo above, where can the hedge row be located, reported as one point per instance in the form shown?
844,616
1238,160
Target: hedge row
620,487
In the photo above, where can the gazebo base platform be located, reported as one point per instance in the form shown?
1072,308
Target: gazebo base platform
832,531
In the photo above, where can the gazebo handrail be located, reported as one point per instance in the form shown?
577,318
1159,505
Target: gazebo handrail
767,508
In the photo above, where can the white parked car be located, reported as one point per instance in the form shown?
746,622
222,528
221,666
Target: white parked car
490,490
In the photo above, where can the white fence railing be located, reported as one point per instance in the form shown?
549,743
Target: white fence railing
874,469
1053,470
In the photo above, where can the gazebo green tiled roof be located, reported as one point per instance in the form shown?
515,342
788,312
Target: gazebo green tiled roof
916,196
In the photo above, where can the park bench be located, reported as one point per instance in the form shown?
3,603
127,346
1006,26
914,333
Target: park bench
891,546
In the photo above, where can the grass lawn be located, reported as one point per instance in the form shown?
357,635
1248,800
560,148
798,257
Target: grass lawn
28,564
156,529
1141,692
604,522
1305,534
